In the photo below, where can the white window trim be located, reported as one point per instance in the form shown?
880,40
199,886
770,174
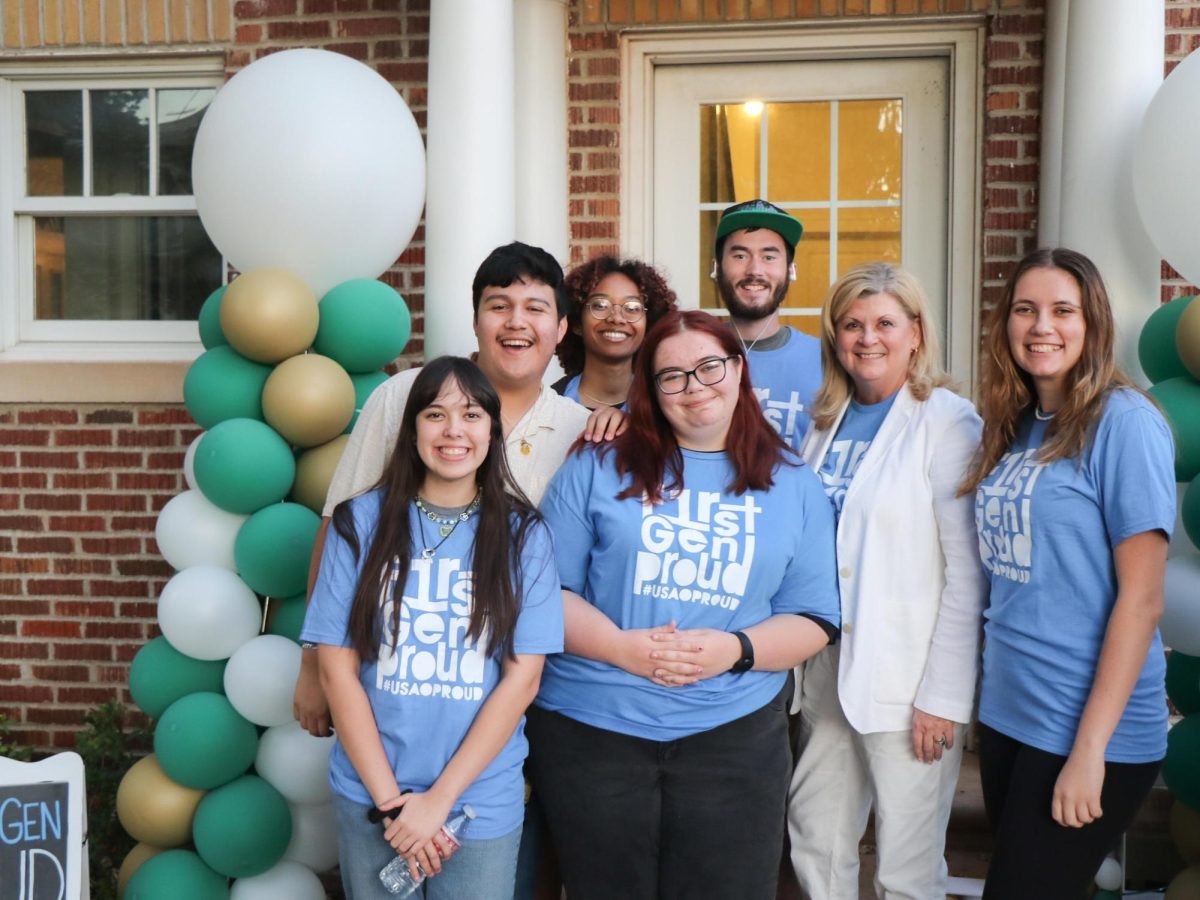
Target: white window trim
959,39
23,340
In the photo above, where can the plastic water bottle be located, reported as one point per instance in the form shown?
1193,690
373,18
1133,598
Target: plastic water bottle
396,876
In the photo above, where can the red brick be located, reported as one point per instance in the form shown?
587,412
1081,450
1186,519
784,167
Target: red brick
81,438
49,460
47,417
8,459
111,546
24,607
101,588
132,630
25,693
57,502
248,34
99,459
44,715
1178,17
90,696
143,524
9,673
144,481
257,9
24,437
173,461
141,610
109,417
20,523
62,673
82,481
46,545
359,51
15,565
403,71
595,90
82,566
378,25
49,628
76,523
157,437
116,503
592,137
1008,23
81,651
19,480
144,568
85,609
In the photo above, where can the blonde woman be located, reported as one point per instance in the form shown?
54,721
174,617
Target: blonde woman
883,712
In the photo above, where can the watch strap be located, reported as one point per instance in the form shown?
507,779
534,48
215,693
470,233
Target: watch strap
746,661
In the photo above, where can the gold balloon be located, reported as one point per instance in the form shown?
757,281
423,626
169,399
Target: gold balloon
1185,831
152,808
1187,338
269,314
314,471
133,861
1185,885
309,399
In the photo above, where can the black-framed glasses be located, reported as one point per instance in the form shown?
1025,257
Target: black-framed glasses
601,307
709,372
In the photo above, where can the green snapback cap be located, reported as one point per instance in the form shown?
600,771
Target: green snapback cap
760,214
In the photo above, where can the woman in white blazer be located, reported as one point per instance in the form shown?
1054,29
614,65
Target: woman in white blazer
883,712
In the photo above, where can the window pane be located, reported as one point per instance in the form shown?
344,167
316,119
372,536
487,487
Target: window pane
709,298
123,267
54,143
869,149
812,261
867,235
730,152
798,152
179,114
120,142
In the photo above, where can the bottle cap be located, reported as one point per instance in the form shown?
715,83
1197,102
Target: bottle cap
468,811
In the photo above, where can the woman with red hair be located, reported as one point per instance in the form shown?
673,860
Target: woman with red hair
696,556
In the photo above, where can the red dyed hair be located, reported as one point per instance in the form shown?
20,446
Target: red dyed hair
648,451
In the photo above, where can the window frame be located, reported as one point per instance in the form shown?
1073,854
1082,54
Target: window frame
22,336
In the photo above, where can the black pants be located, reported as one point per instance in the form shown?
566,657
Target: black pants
1035,857
699,817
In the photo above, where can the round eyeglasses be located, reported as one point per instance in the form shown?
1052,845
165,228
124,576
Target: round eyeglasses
709,372
601,307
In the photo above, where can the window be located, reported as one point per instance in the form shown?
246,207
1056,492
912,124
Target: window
107,255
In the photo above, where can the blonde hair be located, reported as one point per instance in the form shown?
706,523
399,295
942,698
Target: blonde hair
924,366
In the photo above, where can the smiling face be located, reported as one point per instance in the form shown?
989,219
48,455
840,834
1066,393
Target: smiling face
614,337
875,339
699,414
453,435
1046,330
753,273
517,328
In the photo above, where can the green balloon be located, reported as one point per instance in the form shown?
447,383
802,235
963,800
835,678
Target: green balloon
211,334
1180,399
1156,344
159,675
242,465
1191,511
364,385
243,828
202,742
1181,769
273,548
1183,683
222,385
287,617
176,875
364,325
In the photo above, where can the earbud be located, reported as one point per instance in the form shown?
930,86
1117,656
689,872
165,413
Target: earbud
713,273
792,272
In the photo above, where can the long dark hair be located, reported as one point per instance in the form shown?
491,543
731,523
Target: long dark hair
505,516
648,452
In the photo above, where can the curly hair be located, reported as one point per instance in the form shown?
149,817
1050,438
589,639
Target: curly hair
582,280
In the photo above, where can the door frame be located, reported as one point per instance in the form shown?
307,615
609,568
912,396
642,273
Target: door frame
960,41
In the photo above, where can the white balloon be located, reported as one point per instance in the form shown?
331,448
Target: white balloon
314,836
1180,622
207,612
192,531
1108,876
295,763
309,161
189,463
286,880
260,679
1169,141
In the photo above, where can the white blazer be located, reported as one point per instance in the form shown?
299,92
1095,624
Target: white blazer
911,582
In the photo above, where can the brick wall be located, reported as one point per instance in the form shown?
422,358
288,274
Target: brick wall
67,24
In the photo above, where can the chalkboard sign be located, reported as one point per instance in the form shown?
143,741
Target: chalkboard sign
42,829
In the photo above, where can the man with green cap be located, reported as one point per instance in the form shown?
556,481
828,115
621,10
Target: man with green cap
753,267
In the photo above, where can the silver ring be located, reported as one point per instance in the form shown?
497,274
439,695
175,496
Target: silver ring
940,741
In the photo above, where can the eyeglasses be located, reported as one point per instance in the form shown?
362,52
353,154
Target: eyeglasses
709,372
601,307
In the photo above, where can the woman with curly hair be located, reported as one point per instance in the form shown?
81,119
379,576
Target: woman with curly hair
614,302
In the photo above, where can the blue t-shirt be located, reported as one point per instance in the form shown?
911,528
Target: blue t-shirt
569,388
785,381
1046,538
855,433
426,696
705,558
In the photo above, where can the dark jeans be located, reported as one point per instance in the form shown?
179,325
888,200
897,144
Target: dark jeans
699,817
1035,857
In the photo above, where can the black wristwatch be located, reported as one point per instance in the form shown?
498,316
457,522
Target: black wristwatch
746,661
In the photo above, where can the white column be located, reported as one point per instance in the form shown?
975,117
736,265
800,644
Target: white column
1114,65
541,124
469,206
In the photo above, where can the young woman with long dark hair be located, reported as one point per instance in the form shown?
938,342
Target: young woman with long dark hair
436,601
696,557
1074,502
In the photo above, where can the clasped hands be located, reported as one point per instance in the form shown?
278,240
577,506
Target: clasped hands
673,657
415,831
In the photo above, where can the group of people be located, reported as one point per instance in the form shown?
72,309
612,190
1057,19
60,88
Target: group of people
588,611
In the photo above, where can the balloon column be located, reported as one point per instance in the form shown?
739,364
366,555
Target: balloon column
235,789
1169,351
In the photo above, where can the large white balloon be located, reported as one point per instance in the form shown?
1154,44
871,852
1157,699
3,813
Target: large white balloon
260,679
314,836
1180,622
192,531
309,161
295,763
1169,141
207,612
286,880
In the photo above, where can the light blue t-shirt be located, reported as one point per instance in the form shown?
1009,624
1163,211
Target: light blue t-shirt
1046,538
785,382
706,559
855,433
570,390
426,696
